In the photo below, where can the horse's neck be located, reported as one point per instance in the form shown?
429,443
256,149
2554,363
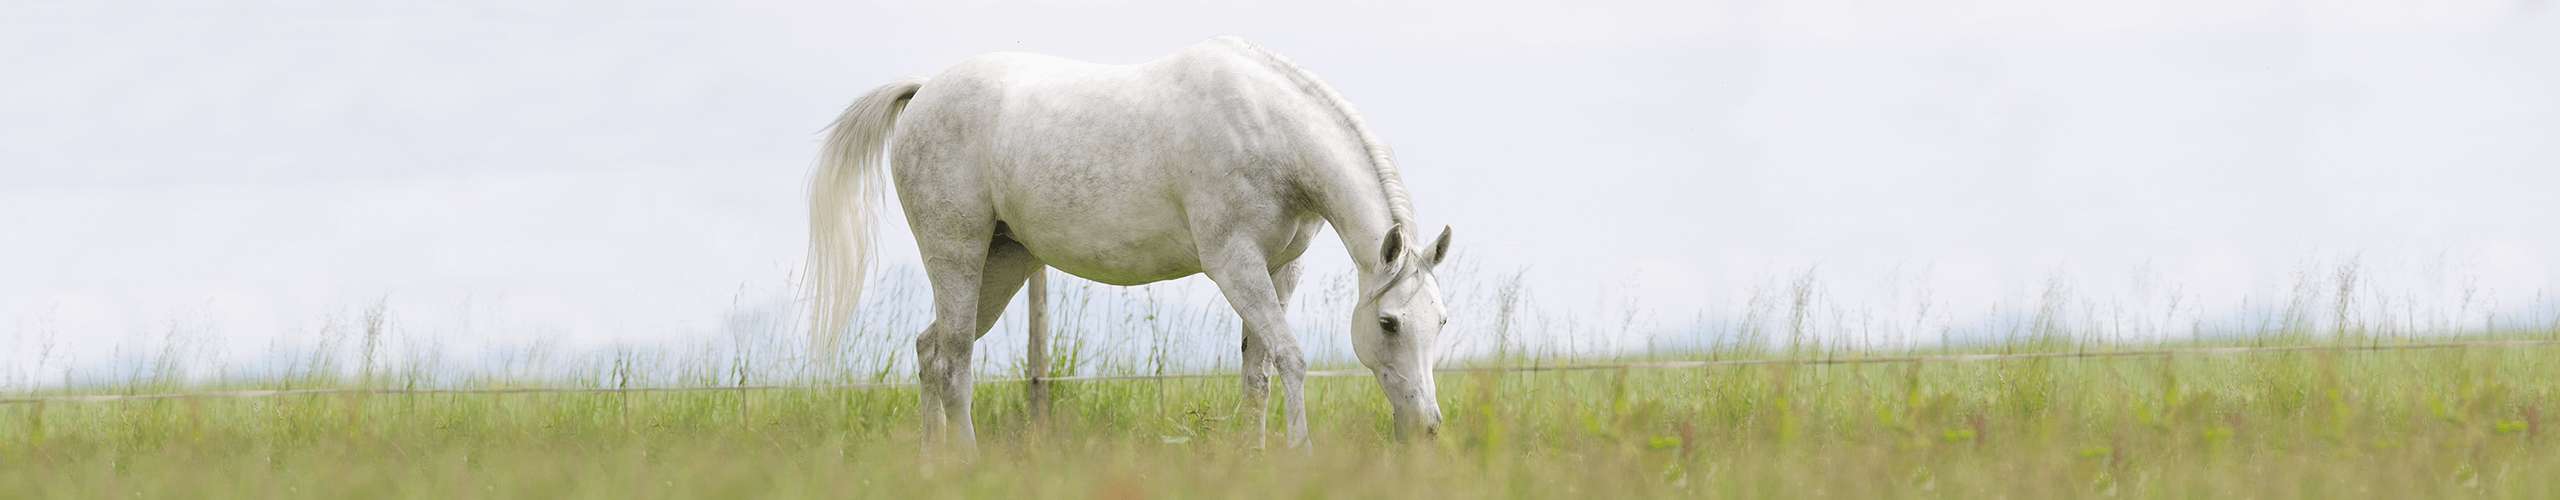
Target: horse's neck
1357,209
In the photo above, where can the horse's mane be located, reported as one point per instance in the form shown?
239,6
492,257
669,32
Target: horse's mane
1399,207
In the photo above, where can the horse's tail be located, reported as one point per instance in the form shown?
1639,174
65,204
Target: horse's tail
844,199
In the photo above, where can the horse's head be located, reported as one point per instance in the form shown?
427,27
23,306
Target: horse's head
1397,324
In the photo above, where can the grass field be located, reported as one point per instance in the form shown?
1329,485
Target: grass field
2390,424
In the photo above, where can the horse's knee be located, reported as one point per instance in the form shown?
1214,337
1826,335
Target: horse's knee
1289,363
1256,370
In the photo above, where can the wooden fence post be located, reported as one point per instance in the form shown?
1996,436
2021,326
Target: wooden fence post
1036,365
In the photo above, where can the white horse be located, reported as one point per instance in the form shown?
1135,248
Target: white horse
1220,159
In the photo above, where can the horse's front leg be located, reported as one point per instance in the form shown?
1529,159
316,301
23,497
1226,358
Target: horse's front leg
1255,407
1254,289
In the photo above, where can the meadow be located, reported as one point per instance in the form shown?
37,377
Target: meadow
2391,424
2343,407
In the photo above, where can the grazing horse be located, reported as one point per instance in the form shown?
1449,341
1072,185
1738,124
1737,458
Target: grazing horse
1221,159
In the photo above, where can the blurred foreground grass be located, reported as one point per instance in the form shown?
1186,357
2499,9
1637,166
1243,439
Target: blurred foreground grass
2392,424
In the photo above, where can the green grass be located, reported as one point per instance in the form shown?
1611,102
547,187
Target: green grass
2396,424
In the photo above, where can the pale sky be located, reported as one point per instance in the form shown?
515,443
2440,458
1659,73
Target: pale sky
620,173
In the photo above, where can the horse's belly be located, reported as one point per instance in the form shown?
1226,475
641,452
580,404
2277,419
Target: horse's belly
1132,244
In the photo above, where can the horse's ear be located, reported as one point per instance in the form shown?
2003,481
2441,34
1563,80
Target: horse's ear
1387,252
1440,248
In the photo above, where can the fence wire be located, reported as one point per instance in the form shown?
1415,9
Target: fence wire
1631,365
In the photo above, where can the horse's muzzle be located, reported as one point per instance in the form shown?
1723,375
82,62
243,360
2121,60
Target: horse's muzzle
1427,427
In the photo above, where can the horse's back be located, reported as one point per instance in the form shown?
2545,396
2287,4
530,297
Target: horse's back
1099,169
1022,88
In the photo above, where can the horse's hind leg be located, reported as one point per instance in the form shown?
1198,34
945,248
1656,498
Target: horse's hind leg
1009,265
955,258
946,348
1256,405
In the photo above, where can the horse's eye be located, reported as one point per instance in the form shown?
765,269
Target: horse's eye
1387,323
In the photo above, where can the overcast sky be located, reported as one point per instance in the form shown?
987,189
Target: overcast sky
613,173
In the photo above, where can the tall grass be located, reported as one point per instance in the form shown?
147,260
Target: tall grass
2426,423
2375,424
